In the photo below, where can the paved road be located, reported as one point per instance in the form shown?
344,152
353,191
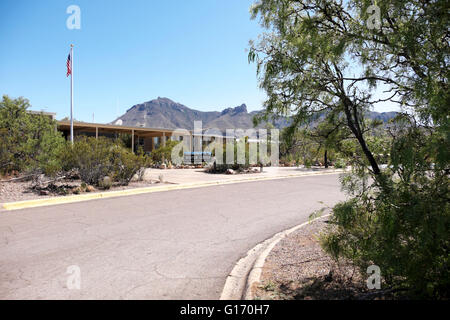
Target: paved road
169,245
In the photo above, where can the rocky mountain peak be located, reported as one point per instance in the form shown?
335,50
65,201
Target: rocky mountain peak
233,111
165,113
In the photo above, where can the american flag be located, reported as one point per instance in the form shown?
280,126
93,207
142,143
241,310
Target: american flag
69,66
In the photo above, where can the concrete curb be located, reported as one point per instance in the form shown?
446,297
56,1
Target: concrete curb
111,194
246,274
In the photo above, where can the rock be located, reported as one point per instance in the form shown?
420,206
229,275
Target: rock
90,189
77,190
163,166
230,171
135,178
44,193
105,182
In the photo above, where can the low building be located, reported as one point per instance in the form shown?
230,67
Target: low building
148,138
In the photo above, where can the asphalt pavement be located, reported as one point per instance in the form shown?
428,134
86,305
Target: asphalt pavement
178,244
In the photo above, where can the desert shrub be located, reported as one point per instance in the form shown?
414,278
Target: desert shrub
126,164
223,167
308,163
91,157
125,139
163,154
28,141
97,158
340,163
52,155
401,221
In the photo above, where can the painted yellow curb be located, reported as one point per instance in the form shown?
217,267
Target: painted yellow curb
111,194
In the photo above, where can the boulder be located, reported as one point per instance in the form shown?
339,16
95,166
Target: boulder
77,190
105,182
230,171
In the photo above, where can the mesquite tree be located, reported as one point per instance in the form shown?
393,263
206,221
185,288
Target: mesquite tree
333,58
322,57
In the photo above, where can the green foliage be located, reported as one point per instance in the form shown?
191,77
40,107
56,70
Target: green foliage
404,231
125,139
312,144
97,158
340,163
92,158
295,145
164,153
126,164
51,159
320,57
401,221
28,141
237,164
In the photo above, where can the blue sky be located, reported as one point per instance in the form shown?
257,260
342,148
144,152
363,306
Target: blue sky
128,52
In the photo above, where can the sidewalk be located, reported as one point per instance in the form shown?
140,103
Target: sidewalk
173,179
181,176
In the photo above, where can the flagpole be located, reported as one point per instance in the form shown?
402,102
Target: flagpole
71,93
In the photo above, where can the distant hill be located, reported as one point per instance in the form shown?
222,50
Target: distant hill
165,113
383,116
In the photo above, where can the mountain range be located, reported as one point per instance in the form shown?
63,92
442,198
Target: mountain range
165,113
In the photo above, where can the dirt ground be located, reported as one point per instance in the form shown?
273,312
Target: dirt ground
22,190
298,268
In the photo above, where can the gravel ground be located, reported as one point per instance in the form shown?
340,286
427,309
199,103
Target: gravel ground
297,268
19,191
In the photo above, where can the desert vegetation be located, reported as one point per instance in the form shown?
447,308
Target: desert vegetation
32,148
321,58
